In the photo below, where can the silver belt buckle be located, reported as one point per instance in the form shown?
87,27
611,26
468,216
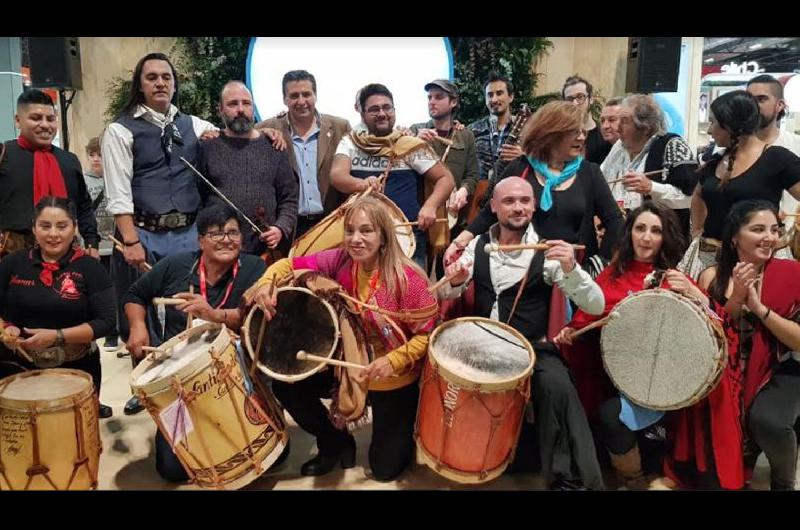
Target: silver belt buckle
172,220
50,357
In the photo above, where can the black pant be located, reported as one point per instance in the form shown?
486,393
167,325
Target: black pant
107,263
304,223
618,438
393,415
563,430
774,422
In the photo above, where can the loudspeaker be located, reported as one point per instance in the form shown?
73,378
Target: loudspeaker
653,64
55,62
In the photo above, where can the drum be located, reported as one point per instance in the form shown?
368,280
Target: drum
664,351
223,435
473,392
49,431
303,322
329,233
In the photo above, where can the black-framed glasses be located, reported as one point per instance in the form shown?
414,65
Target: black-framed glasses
388,109
219,237
580,98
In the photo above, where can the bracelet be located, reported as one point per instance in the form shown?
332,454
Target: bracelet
131,244
59,338
766,314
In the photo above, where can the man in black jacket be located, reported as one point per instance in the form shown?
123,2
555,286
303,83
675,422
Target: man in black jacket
31,167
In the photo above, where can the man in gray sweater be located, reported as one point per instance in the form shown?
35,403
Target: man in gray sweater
258,179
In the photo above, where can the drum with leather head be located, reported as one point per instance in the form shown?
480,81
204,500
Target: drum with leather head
329,233
225,433
663,350
49,431
473,393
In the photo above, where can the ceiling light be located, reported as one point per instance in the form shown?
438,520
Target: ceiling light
755,46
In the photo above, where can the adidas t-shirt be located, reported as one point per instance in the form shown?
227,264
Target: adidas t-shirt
404,177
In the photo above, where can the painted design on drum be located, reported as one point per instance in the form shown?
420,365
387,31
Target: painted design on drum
450,401
206,475
212,382
252,413
13,431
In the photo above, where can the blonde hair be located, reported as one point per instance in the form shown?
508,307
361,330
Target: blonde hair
391,258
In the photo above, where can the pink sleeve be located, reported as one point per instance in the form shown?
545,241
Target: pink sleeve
417,297
325,262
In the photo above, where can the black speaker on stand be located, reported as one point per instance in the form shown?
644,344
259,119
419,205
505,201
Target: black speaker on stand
55,62
653,64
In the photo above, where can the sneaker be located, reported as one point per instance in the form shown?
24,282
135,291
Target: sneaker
111,344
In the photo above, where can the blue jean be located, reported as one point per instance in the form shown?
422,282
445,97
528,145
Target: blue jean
420,256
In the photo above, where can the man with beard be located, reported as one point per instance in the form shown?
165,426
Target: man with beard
768,91
491,132
258,179
515,288
462,160
314,138
362,157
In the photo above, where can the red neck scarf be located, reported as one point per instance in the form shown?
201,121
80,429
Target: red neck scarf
46,276
47,176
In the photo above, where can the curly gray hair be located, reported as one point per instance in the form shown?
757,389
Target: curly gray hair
647,114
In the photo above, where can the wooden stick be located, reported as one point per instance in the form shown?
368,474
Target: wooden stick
444,281
303,356
189,315
446,141
118,245
494,247
654,172
415,223
22,352
594,325
153,348
167,301
263,327
164,354
791,214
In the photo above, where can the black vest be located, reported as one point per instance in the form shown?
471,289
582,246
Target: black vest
162,183
533,309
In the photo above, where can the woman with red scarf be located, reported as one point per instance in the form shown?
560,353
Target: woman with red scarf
652,241
31,167
372,268
761,296
55,300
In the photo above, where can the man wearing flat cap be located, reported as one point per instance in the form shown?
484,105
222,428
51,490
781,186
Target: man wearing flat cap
461,156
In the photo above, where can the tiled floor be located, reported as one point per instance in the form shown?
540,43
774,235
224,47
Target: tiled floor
128,461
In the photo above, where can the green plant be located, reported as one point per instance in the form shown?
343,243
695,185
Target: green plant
117,94
514,57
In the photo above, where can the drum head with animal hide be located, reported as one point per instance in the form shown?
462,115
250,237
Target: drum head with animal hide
661,350
302,322
183,349
481,351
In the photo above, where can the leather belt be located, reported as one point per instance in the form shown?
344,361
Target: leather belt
163,222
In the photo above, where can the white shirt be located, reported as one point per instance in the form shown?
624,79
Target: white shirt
618,163
117,151
506,269
791,142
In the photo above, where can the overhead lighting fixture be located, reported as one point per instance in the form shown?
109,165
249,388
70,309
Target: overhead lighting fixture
709,60
755,46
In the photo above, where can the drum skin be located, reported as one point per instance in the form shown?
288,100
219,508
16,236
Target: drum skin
233,442
67,434
663,350
466,431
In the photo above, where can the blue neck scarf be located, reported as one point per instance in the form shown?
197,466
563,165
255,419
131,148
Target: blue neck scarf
552,181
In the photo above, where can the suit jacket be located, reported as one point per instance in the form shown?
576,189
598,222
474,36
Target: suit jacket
331,131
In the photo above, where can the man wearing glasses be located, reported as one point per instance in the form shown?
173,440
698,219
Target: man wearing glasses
211,281
256,177
579,91
362,157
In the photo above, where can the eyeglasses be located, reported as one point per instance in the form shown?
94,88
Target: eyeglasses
219,237
580,98
388,109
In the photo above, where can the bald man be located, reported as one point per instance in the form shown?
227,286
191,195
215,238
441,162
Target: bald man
256,177
565,440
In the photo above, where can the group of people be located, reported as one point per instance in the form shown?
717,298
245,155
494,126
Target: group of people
614,202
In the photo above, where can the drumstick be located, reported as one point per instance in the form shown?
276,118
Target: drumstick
263,327
595,324
22,352
167,301
791,214
303,356
444,281
446,141
494,247
155,351
415,223
118,245
654,172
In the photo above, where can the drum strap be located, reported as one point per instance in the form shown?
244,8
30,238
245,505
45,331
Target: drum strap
519,295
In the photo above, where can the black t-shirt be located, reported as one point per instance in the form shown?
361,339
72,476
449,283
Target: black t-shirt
564,219
174,274
81,292
777,169
597,148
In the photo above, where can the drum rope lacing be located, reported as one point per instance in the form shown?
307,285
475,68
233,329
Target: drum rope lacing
224,374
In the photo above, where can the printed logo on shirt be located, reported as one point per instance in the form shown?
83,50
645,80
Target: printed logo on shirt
66,285
16,280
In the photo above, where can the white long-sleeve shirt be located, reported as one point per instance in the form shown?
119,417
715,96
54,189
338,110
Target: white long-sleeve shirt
117,151
506,269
